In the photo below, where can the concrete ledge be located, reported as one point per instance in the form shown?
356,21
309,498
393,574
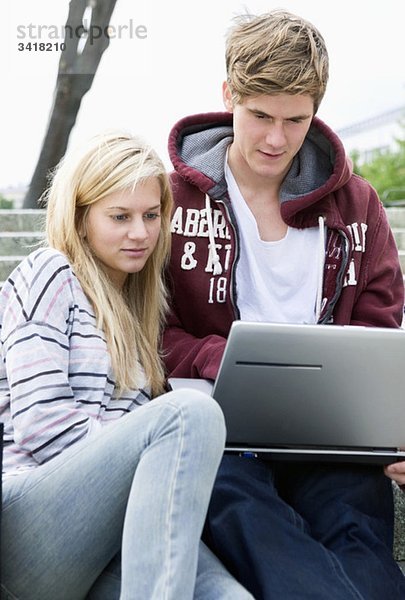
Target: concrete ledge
396,216
16,243
12,219
8,264
399,525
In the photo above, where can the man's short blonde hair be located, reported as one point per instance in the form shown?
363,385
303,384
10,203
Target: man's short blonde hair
276,53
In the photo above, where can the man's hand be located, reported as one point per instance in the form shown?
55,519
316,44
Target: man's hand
396,472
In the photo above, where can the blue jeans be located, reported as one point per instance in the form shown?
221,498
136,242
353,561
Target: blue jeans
140,486
305,531
213,581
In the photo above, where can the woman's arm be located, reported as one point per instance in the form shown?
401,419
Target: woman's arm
36,346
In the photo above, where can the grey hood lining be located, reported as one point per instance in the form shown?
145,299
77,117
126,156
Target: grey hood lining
205,152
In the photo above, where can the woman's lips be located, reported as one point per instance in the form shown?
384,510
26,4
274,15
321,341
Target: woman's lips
136,252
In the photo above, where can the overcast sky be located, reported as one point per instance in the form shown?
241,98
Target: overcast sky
174,66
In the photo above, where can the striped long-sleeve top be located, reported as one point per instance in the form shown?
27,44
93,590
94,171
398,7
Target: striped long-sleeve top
56,383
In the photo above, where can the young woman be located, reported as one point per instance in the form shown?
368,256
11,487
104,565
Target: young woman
100,464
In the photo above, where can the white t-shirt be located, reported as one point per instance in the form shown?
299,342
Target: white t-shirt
276,281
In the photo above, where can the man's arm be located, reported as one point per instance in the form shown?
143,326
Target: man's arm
381,299
188,356
396,472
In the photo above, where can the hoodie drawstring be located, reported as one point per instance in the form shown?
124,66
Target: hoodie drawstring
213,251
321,264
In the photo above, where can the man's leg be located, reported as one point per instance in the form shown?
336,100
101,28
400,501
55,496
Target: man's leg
214,582
349,509
265,543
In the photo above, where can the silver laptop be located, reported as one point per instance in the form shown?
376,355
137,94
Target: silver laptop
312,392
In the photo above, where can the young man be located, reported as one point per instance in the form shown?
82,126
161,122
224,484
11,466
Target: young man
272,225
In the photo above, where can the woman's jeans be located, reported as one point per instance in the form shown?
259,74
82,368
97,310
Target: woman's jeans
142,486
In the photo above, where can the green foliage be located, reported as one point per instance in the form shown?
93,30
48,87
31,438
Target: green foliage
5,202
385,171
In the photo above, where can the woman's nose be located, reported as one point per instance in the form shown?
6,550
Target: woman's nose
137,229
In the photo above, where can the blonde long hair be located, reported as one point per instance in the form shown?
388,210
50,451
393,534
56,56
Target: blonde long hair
131,318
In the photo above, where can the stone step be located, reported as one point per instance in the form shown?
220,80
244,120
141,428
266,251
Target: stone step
15,243
7,264
396,216
21,231
402,260
399,235
12,219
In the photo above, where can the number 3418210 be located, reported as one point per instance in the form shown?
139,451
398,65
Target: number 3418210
41,46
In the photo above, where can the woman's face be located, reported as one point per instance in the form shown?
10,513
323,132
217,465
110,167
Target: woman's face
123,228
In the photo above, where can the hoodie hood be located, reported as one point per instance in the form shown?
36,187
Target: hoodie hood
197,148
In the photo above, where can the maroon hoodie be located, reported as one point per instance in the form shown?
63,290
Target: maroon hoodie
362,280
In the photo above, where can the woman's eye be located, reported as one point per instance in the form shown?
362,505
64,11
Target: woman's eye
119,217
151,216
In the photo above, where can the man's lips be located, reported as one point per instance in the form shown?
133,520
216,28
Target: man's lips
271,155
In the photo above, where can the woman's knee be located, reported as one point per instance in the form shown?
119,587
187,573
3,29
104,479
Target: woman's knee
203,413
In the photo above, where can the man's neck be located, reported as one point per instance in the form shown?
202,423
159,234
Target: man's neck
262,197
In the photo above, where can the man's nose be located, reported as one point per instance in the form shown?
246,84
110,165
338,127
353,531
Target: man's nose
275,136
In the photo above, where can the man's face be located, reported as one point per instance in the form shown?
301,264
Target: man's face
269,130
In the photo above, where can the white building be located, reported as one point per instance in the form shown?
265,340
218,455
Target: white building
16,193
376,134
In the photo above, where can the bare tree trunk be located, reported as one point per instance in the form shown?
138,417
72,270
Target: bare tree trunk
75,76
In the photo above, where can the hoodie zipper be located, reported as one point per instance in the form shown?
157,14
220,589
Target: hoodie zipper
236,257
339,279
321,267
322,224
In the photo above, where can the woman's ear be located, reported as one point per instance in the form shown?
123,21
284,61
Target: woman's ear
82,229
81,221
227,97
